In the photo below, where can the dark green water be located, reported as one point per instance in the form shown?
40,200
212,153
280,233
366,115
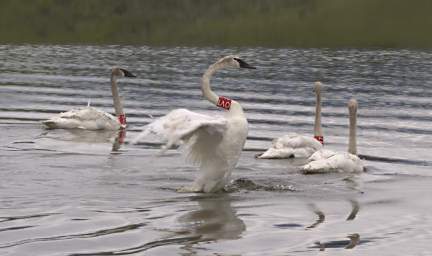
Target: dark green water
276,23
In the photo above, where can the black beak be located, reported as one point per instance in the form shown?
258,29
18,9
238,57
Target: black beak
127,73
243,64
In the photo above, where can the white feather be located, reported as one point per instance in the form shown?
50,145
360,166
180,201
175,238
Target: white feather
321,154
88,118
213,143
340,162
181,125
325,161
292,145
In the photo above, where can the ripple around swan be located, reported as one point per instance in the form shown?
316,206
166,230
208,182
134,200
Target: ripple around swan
94,234
86,193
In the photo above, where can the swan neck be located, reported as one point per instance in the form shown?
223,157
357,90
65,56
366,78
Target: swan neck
205,86
352,143
317,124
118,107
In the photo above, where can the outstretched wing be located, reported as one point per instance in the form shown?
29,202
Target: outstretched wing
200,133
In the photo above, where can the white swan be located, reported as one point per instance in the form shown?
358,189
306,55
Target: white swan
298,146
90,118
214,143
328,161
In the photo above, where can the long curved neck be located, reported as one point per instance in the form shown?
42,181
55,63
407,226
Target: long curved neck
205,86
352,143
116,98
317,125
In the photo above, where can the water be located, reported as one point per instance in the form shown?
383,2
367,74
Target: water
82,193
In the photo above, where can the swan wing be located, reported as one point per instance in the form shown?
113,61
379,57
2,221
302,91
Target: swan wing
87,113
322,154
300,141
200,133
84,118
292,145
341,162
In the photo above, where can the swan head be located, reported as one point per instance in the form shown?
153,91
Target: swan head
120,72
317,87
234,61
352,106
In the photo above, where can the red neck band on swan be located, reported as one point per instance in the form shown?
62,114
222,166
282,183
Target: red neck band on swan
122,119
320,139
224,103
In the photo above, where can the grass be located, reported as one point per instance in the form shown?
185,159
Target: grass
272,23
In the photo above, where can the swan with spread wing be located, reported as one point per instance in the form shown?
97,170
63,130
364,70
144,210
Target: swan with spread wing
213,143
90,118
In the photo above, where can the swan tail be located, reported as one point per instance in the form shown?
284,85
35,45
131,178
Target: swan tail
140,136
319,166
273,153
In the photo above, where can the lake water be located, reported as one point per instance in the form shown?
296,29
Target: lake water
81,193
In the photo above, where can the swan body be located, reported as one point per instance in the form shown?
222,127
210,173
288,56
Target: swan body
292,145
339,162
214,143
90,118
321,154
325,161
298,146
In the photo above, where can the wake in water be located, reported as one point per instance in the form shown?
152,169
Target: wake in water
245,184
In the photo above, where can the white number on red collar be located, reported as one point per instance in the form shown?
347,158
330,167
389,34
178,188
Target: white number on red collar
224,103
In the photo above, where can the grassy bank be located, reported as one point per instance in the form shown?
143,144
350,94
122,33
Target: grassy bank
274,23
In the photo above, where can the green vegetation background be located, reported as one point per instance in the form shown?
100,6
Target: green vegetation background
273,23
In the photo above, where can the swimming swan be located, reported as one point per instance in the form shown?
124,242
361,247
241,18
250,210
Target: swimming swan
328,161
90,118
214,143
298,146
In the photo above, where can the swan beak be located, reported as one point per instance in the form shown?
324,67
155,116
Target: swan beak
243,64
127,73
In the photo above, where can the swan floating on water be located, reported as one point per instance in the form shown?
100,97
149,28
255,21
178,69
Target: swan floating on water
214,143
298,146
325,161
90,118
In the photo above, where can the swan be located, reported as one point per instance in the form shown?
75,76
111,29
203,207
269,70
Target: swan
298,146
214,143
328,161
90,118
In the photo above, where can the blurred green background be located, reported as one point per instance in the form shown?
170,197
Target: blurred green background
270,23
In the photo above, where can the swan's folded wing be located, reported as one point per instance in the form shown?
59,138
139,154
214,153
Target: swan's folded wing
83,118
339,162
321,154
292,145
182,125
86,114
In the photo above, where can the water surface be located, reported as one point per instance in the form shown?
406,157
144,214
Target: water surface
81,193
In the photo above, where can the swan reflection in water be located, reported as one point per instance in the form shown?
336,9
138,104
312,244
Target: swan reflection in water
215,219
354,238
